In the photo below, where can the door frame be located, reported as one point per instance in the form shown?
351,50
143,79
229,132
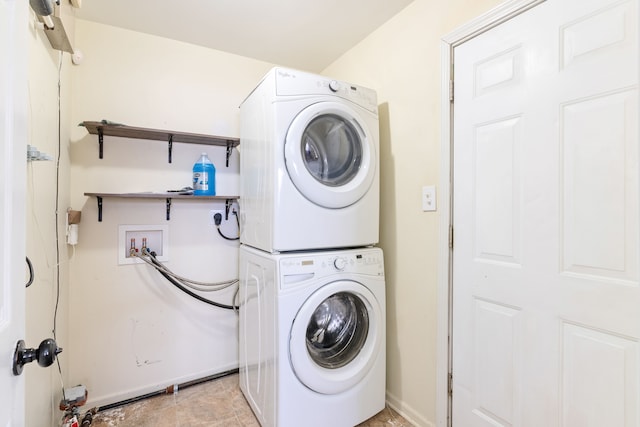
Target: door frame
449,42
13,145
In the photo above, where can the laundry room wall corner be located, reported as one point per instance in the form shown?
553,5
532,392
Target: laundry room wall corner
401,61
47,198
151,330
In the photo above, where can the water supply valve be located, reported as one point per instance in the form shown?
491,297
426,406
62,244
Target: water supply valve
45,354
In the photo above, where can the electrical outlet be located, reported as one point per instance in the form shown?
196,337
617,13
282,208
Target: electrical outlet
429,198
132,237
213,213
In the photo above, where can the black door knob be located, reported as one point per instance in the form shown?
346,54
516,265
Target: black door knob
45,354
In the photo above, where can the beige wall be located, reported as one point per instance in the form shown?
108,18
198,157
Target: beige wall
131,332
148,81
43,385
401,61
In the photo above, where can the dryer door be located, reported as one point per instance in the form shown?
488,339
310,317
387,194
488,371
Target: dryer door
336,336
330,154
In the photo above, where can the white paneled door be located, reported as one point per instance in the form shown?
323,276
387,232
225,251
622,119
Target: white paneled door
14,20
546,275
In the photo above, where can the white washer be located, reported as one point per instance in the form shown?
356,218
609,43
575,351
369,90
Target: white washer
312,336
309,175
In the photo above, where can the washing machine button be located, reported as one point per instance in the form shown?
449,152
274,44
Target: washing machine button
334,86
340,263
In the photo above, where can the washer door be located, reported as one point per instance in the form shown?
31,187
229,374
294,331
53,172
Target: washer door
336,336
330,155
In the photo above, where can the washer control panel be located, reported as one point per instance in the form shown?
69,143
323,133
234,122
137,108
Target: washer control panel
301,267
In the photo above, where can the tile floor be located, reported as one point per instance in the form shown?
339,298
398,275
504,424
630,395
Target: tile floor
216,403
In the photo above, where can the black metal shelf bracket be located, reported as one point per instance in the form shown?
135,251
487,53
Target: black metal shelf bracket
170,146
227,207
168,208
100,142
229,149
99,208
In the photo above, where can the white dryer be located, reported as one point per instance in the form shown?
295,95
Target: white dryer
309,175
312,336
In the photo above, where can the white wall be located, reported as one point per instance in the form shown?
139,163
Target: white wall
43,385
131,332
401,60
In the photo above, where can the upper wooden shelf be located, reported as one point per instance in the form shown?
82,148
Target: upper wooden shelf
105,127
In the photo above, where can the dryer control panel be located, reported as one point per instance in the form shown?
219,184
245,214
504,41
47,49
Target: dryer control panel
297,83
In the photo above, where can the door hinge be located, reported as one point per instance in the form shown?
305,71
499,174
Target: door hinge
451,237
450,384
451,90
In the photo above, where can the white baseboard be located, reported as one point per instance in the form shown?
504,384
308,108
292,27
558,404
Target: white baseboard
407,412
134,393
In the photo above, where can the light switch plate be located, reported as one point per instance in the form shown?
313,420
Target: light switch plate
429,198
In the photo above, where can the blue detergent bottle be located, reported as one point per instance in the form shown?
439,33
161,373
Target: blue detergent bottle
204,177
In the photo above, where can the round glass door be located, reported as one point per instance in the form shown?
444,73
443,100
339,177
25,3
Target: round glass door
330,155
337,330
331,150
335,337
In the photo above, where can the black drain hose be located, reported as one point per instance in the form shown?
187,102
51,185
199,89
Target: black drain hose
187,291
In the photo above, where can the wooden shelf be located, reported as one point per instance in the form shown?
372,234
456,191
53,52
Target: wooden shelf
105,127
171,194
168,197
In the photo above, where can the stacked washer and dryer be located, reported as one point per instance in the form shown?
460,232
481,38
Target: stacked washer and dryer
312,289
